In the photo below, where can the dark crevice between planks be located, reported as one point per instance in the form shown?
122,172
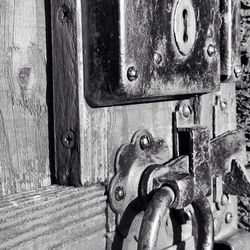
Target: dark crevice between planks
67,167
49,93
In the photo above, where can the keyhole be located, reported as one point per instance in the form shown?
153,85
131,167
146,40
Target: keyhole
185,18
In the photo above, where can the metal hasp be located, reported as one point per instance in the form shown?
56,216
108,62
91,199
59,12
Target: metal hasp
140,51
200,184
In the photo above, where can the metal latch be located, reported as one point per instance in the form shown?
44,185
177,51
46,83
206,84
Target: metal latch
203,180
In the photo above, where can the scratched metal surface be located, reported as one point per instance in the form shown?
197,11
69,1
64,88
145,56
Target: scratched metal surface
127,34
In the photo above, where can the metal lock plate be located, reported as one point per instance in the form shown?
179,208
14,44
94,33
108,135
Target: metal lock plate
138,51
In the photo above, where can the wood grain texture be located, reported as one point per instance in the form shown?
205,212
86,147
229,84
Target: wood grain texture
54,218
24,158
65,91
98,132
225,109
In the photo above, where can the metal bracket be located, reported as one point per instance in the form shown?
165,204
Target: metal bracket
131,160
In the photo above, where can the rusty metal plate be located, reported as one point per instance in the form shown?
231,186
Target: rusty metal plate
138,51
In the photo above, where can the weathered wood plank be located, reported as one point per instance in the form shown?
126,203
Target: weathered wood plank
65,92
24,158
56,218
103,130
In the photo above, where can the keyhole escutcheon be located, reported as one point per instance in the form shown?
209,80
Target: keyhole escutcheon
184,26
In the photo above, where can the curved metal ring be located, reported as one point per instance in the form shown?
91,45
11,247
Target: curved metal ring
157,209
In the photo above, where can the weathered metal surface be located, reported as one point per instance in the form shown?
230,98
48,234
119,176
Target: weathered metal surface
138,179
195,142
230,39
205,221
181,182
151,178
225,148
131,160
164,199
133,52
236,182
153,218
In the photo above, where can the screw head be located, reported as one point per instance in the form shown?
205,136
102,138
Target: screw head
132,74
144,142
186,111
238,71
157,58
211,50
217,225
120,193
224,199
229,217
68,139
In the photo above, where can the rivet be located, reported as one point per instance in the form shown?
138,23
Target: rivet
186,110
132,74
211,50
223,105
120,193
144,142
238,71
229,217
224,199
157,58
68,139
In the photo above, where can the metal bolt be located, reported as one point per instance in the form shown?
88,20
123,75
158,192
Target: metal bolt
120,193
229,217
157,58
132,74
224,199
238,71
186,110
211,50
68,139
144,142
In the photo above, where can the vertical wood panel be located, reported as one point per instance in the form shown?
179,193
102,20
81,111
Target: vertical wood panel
24,158
111,127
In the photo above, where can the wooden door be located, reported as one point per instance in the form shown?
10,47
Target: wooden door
58,153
